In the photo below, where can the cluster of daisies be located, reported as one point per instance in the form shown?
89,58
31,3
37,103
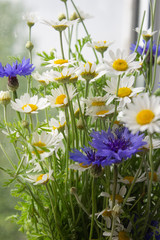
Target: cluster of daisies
128,115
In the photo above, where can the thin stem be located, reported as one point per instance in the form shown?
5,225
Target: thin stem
61,43
115,174
93,208
6,155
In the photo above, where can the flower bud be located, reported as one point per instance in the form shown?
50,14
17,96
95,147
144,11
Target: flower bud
74,16
30,24
80,124
158,60
96,171
157,92
25,124
13,83
116,210
73,191
29,45
5,97
61,17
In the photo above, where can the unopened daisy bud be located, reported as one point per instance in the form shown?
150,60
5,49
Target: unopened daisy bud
61,17
5,97
29,45
116,210
96,171
74,16
158,60
13,83
25,124
157,92
80,124
73,191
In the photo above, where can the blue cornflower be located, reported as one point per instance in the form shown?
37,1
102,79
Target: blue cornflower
117,145
141,48
23,69
109,147
1,70
88,158
152,231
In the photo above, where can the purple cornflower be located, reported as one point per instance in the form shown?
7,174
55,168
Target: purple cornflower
109,147
22,69
141,48
116,145
153,231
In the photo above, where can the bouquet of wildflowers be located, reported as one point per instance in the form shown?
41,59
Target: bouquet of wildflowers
85,139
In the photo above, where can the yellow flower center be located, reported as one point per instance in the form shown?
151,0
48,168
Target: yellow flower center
155,177
118,198
83,166
129,178
40,177
60,99
59,127
107,213
120,65
124,92
39,144
122,235
60,61
32,106
100,103
144,117
102,112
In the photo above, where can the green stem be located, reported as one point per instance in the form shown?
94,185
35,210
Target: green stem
84,28
115,175
61,43
15,97
8,158
93,208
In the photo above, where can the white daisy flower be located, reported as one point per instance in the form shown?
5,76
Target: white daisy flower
27,104
31,18
100,46
91,71
59,124
120,233
59,25
143,114
44,78
146,34
101,111
41,178
155,143
83,15
76,108
129,179
63,76
119,197
5,97
80,167
59,96
125,92
57,62
121,63
44,144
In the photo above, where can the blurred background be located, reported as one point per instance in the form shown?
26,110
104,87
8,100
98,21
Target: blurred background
113,21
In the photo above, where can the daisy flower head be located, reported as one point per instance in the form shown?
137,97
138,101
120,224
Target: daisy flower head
59,96
125,91
100,111
44,144
59,62
80,16
44,79
5,97
80,167
59,25
121,63
27,104
116,146
31,18
41,178
63,76
146,34
91,71
120,233
119,197
155,143
99,46
59,124
143,114
129,179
